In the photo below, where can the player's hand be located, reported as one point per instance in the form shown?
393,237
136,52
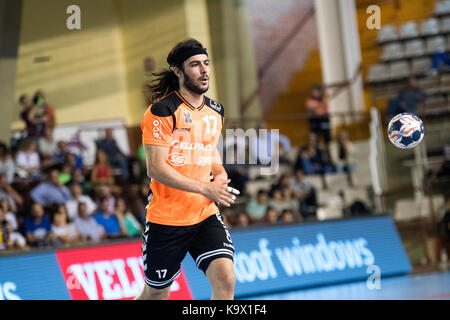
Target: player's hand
219,192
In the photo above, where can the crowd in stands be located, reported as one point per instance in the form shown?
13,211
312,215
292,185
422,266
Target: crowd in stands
50,197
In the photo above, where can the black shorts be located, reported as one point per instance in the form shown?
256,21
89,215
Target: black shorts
165,247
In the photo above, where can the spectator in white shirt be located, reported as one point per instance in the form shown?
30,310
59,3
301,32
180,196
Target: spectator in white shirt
78,197
64,232
86,225
28,161
6,163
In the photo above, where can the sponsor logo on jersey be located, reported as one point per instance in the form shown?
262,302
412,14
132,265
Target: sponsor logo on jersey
177,159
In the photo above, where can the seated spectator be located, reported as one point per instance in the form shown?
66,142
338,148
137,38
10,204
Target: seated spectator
242,220
7,192
6,163
128,221
282,201
38,228
263,145
101,173
63,155
79,179
77,198
103,192
287,217
319,118
10,215
87,226
256,208
27,161
270,217
284,183
108,220
238,173
313,159
9,238
51,191
116,158
305,192
440,62
47,146
408,99
342,153
65,233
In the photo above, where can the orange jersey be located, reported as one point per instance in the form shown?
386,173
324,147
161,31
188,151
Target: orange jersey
191,135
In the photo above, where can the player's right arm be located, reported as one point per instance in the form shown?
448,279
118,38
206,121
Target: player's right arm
158,169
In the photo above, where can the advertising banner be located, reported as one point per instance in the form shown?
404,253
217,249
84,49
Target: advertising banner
266,260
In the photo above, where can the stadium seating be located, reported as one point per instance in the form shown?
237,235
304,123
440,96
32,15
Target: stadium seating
442,7
408,30
406,210
378,72
421,66
399,70
387,33
436,44
414,48
429,27
392,51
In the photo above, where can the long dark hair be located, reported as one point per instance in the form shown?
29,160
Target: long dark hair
166,81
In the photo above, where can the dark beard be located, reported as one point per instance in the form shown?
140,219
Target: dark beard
189,84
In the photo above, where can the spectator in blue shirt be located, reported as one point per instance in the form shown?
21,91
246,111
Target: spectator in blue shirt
52,191
108,220
37,228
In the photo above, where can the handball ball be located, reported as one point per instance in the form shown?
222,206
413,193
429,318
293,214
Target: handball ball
405,130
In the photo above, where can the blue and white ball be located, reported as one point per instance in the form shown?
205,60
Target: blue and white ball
405,130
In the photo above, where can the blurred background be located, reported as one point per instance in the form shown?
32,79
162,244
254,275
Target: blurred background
328,74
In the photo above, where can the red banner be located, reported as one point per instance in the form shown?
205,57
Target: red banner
112,272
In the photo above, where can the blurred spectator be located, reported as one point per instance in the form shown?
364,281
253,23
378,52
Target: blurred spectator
34,121
238,173
77,198
256,208
10,215
288,217
87,226
9,238
115,156
38,228
7,192
242,220
270,217
129,223
79,179
27,161
63,155
282,201
108,220
104,192
262,146
312,159
342,153
65,233
6,163
440,62
101,173
44,109
47,147
284,183
305,192
319,118
408,99
51,191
